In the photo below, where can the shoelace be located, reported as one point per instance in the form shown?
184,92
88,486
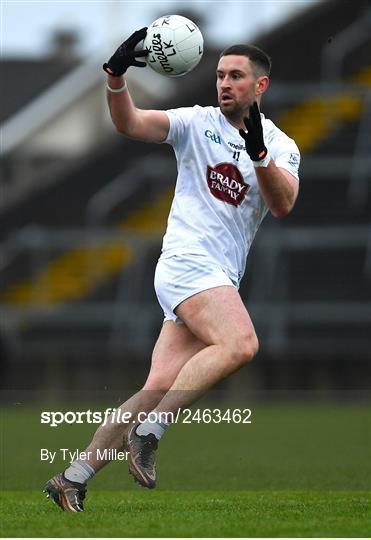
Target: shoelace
146,454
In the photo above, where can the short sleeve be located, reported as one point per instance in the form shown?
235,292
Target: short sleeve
284,151
290,160
179,121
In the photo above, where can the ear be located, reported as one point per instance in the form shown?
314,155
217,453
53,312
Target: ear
262,84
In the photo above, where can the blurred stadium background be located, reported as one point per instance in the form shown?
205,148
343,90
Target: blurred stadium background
83,211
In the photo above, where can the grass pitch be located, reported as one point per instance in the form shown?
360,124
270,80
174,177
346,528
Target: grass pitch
297,470
192,514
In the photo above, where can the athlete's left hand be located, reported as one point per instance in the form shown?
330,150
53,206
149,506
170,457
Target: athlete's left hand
254,140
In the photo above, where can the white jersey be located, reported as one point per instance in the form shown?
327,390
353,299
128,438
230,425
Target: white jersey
217,207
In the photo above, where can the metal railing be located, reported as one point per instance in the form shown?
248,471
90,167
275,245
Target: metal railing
120,316
360,176
153,169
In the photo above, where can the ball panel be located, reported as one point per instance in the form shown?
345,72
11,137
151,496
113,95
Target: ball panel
191,57
190,42
178,21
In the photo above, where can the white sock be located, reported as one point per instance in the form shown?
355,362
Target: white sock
79,471
157,428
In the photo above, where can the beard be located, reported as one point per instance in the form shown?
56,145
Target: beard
234,111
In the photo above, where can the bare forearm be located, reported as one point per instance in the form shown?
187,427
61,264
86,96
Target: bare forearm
139,124
276,190
121,106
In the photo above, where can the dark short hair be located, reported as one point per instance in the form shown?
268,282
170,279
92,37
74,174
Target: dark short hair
257,57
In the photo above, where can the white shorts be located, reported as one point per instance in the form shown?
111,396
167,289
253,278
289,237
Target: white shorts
178,277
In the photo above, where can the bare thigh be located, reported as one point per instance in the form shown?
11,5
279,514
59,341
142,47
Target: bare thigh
176,344
218,316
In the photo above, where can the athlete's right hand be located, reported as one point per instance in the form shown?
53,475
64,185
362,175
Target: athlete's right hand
125,55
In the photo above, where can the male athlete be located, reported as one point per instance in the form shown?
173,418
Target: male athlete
234,166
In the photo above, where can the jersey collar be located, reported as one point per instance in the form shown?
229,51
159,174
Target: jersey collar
230,126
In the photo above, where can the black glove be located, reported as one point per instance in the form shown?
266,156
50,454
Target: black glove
125,55
254,139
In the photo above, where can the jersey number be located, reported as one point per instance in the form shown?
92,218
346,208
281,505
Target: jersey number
236,155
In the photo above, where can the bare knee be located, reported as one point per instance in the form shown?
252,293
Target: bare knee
243,350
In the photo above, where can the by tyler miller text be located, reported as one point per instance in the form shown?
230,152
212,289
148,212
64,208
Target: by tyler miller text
66,454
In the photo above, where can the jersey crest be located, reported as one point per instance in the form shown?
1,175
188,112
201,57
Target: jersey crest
226,183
